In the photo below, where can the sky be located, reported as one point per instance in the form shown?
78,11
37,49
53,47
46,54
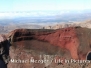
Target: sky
43,5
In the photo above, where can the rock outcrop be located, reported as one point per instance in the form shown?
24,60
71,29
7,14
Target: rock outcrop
4,51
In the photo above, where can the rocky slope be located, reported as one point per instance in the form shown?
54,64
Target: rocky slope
69,43
43,48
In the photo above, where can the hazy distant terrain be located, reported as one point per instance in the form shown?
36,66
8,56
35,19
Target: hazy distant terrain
45,16
38,20
10,27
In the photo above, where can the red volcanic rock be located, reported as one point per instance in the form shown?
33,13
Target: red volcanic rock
65,38
67,43
70,39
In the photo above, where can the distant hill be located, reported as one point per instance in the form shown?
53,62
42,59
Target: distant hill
86,24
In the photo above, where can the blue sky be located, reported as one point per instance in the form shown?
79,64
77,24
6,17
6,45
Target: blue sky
43,5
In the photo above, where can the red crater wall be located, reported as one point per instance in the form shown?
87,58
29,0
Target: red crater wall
64,38
75,40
